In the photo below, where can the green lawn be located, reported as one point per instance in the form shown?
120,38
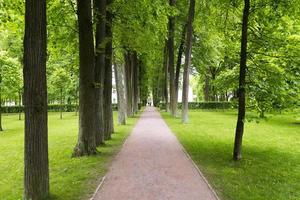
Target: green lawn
270,169
70,178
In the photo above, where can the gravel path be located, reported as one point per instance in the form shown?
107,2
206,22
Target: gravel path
153,166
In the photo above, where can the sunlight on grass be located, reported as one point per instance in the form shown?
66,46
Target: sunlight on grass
70,178
270,168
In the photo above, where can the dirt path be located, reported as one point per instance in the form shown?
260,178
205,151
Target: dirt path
153,166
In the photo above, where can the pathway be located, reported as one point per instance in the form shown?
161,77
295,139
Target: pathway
153,166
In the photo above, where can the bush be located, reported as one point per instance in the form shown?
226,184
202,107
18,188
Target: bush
203,105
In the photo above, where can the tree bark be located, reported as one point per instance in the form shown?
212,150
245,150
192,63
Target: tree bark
119,79
237,151
188,53
108,115
179,57
166,66
206,88
100,15
61,103
86,144
1,128
20,104
173,108
128,84
135,67
36,164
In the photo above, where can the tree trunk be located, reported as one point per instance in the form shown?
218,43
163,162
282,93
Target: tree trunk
86,144
20,104
1,129
135,83
119,79
173,99
77,99
100,14
107,114
206,88
36,164
166,66
178,65
237,152
128,84
61,103
187,64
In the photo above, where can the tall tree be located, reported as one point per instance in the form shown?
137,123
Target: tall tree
179,58
86,144
165,65
119,79
1,129
173,100
36,166
100,14
135,81
187,64
237,152
108,115
128,84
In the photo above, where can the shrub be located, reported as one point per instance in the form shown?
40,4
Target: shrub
204,105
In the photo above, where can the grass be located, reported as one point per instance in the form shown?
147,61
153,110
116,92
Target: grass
270,168
70,178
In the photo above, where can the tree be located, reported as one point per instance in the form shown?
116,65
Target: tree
135,81
237,151
108,115
1,129
179,58
165,65
128,84
188,52
119,79
36,177
86,144
59,81
173,100
100,15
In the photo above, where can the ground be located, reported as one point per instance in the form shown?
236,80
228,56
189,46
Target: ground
153,166
70,178
270,168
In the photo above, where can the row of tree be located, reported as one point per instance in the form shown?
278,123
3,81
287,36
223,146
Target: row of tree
141,40
96,59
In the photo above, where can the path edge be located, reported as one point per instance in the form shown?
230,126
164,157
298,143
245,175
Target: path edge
115,157
191,160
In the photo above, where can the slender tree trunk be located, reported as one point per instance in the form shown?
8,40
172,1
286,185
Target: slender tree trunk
165,90
207,88
20,104
179,57
237,152
86,144
188,53
36,164
108,115
119,78
61,103
100,14
135,67
1,129
76,100
173,99
128,84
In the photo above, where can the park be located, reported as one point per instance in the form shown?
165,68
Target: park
149,100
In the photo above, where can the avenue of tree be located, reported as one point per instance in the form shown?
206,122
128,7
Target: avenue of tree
242,51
